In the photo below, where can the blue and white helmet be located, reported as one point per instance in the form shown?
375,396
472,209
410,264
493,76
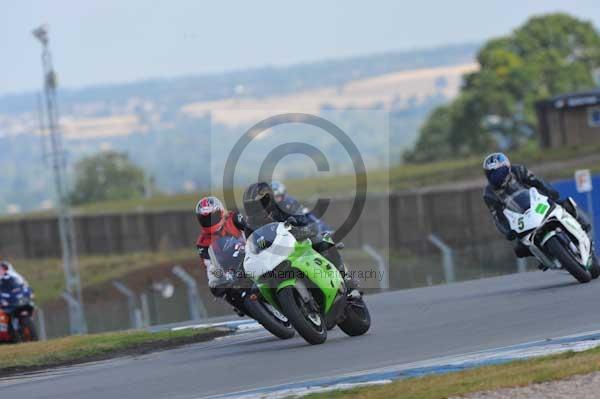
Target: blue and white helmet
497,169
279,189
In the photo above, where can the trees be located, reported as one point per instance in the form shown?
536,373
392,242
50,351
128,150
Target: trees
548,55
107,176
434,141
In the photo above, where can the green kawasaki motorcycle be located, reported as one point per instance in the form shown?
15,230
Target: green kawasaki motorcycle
302,284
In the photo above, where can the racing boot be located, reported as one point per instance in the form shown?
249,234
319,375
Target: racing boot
584,221
350,283
581,217
352,287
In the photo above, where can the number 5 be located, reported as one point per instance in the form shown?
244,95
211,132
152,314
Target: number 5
520,223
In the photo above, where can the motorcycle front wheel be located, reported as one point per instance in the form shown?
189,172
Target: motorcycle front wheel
268,317
555,247
310,324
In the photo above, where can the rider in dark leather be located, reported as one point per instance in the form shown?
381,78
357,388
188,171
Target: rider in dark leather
294,207
261,208
505,179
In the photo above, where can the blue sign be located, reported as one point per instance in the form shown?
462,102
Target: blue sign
594,117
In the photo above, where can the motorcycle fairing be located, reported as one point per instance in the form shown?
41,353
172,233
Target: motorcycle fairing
541,213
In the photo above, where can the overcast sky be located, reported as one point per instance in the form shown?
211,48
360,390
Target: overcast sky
106,41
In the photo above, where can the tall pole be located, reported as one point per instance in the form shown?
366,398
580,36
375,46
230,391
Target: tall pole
65,219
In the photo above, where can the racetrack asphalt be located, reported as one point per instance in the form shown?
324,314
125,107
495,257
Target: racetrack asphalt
408,326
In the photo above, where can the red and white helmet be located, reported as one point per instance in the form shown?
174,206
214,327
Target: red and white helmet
210,213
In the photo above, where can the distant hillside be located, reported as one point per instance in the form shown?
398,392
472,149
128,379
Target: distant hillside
165,125
257,82
390,91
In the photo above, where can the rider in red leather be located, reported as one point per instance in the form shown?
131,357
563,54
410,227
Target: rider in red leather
215,222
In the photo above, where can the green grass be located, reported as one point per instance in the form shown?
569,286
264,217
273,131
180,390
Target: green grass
47,279
514,374
76,349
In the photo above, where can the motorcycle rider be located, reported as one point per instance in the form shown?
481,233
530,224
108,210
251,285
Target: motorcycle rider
285,201
261,208
215,222
292,206
502,178
7,281
10,270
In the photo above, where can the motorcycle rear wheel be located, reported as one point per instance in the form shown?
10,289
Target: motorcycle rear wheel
556,248
358,318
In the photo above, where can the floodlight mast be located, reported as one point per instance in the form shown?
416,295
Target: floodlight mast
65,219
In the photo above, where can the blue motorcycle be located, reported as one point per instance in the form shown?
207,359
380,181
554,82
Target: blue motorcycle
16,312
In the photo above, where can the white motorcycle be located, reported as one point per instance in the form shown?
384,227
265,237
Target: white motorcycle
551,233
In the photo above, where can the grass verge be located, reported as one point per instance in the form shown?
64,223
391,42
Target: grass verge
85,348
509,375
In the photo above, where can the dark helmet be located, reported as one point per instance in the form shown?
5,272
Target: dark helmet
497,169
259,200
210,213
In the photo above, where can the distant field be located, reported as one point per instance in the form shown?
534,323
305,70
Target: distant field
396,89
386,89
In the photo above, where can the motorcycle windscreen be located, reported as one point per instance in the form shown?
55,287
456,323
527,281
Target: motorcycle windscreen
13,294
262,238
519,202
9,284
266,248
227,253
